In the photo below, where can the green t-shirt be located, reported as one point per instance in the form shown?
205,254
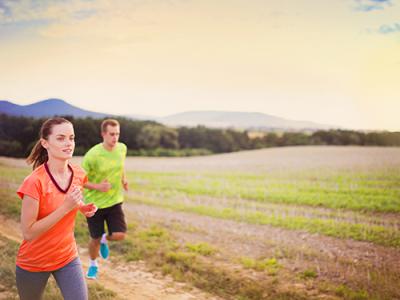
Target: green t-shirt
101,164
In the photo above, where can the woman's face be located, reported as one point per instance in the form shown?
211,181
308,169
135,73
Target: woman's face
60,144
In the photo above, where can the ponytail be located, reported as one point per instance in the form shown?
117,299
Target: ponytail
38,155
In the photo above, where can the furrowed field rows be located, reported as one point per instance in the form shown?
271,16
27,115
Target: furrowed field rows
345,191
264,199
387,220
293,223
373,233
343,205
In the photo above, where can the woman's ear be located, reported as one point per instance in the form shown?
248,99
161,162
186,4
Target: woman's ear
44,143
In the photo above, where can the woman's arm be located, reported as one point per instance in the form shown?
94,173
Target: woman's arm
33,228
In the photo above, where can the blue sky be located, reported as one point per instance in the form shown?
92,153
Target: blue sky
334,62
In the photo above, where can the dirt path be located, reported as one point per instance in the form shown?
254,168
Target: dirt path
133,281
128,280
336,259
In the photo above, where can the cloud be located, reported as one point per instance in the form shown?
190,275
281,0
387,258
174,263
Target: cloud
390,22
27,11
387,29
59,11
370,5
107,22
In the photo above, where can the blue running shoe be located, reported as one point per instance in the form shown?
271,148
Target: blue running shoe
104,251
92,272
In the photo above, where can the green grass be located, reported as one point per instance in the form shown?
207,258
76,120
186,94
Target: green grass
334,203
376,191
349,294
11,178
308,274
8,251
372,233
200,248
190,263
343,204
10,204
271,265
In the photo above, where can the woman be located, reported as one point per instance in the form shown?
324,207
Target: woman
51,196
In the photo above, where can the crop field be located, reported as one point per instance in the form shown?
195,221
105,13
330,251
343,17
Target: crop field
279,223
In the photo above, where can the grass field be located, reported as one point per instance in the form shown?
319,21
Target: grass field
293,223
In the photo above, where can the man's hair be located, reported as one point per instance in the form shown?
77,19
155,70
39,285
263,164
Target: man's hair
107,122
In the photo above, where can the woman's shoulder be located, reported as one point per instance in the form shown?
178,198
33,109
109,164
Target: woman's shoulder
33,183
36,174
78,171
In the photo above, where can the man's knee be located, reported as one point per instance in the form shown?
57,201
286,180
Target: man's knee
117,236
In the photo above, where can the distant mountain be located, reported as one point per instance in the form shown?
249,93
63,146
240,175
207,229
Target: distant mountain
217,119
141,117
243,120
47,108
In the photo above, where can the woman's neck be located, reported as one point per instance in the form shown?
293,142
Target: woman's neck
57,166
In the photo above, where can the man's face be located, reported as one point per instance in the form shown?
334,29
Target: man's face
111,135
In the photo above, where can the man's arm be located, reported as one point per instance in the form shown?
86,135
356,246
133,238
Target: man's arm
87,166
124,181
104,186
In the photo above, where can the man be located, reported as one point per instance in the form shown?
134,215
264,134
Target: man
104,165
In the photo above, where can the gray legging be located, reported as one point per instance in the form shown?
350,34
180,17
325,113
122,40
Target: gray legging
69,279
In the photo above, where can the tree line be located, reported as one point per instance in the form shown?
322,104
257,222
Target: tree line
18,135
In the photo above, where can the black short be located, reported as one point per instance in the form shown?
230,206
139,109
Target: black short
113,216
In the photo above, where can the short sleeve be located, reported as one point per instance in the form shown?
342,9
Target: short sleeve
124,150
80,175
86,162
84,179
30,187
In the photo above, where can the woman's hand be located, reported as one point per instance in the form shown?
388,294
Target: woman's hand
88,210
72,199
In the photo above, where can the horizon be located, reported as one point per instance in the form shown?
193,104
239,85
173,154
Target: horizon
310,60
333,126
159,116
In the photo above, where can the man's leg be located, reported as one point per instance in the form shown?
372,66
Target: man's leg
116,225
94,247
116,236
96,230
